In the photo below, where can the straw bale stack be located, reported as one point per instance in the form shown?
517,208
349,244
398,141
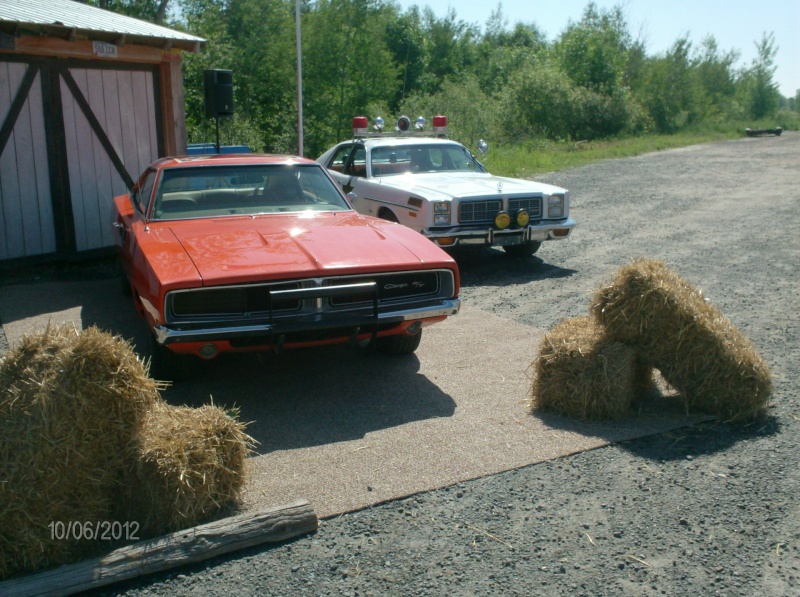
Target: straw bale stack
191,463
86,436
698,351
581,372
71,404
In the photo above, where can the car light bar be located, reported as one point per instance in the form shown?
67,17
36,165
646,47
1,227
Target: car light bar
403,125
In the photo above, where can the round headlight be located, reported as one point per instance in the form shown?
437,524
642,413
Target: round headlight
502,220
523,217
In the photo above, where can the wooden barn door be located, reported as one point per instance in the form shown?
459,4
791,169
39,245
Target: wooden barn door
111,135
26,209
73,134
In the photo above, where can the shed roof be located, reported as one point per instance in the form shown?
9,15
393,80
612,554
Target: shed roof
68,19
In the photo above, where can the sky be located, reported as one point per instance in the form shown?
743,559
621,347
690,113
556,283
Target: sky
734,24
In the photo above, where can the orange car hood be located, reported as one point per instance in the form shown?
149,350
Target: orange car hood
235,249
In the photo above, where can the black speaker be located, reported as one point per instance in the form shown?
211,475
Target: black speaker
218,87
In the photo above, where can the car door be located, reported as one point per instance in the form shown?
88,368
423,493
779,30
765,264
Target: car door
338,161
134,226
348,166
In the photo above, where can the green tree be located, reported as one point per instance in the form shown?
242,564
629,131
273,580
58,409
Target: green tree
716,78
255,39
406,42
593,51
347,66
149,10
451,47
501,51
760,88
537,102
669,90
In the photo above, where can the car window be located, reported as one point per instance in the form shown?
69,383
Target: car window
339,158
143,195
357,164
213,191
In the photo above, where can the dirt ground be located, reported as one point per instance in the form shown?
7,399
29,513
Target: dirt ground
710,509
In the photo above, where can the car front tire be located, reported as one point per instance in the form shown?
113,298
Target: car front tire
124,282
399,344
166,365
524,250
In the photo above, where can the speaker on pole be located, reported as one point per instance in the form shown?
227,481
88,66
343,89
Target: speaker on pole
218,87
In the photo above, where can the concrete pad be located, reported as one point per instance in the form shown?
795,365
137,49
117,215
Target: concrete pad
346,429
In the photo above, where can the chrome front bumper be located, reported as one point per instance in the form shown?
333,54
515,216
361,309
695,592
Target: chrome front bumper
198,333
510,236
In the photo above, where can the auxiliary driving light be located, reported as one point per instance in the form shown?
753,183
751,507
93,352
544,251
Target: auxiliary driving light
208,351
523,217
502,220
414,328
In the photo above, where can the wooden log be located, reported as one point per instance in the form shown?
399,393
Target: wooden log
176,549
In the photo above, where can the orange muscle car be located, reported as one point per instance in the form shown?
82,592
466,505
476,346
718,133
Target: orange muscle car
250,252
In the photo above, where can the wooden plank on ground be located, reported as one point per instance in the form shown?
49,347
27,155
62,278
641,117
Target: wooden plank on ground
177,549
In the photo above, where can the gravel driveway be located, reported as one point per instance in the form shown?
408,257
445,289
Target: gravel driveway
707,510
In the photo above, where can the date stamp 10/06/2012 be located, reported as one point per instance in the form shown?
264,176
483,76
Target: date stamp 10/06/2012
94,530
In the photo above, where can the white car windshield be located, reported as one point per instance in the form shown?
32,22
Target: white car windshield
402,159
213,191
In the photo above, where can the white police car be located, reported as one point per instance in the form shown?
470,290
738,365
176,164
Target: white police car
437,187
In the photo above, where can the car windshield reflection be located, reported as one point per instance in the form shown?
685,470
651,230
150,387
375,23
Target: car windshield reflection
214,191
404,159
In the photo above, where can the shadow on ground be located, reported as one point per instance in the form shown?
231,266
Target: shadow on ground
701,433
493,267
307,398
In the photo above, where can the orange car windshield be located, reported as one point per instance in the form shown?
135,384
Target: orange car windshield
214,191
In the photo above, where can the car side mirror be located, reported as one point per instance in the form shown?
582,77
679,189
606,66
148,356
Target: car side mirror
483,146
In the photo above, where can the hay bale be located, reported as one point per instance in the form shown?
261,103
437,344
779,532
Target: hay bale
191,464
581,372
71,404
698,351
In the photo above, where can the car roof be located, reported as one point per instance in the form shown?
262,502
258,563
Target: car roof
232,159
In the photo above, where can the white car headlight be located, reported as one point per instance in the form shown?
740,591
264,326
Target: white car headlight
555,206
441,213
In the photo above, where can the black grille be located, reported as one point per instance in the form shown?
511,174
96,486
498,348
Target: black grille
533,205
232,301
479,211
250,302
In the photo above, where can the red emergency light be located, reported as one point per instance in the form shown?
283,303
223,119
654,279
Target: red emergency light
360,125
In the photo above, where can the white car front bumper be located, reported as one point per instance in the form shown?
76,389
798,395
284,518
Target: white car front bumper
550,230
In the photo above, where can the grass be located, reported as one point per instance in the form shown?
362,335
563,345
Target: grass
538,156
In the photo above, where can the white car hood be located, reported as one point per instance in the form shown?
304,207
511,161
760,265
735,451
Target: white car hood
465,184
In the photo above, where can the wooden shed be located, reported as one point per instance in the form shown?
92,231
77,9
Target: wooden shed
88,98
